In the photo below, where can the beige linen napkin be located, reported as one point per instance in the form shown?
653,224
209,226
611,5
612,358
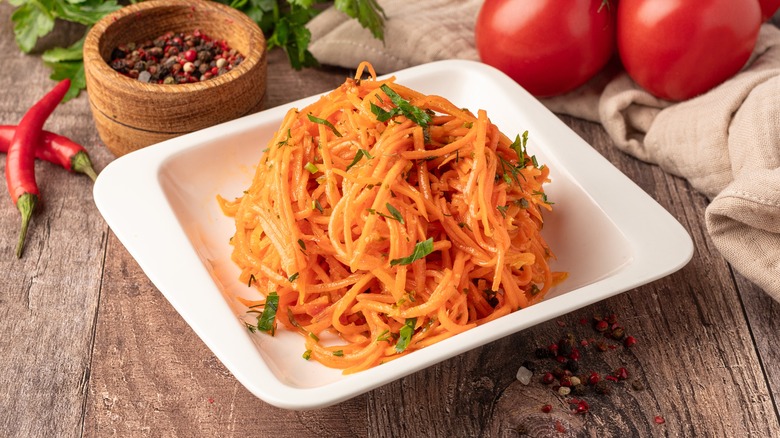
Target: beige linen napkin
726,142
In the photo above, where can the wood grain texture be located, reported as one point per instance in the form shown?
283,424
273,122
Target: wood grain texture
48,298
91,348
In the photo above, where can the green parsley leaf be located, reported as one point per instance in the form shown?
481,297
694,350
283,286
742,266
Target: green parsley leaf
290,33
411,112
381,114
31,21
360,154
306,354
396,214
266,320
405,334
294,277
320,121
421,249
311,167
302,244
338,353
73,70
367,12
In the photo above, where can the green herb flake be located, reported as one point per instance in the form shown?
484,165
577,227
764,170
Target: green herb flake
286,141
311,167
519,146
502,209
317,206
421,249
252,279
266,320
338,353
523,203
302,244
394,213
294,277
405,334
381,114
544,197
384,336
306,355
320,121
411,112
360,154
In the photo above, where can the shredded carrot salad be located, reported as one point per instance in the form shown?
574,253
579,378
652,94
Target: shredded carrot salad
391,218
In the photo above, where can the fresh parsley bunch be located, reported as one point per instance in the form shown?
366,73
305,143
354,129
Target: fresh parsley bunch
282,21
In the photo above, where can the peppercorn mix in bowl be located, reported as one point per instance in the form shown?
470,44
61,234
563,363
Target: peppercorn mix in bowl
162,68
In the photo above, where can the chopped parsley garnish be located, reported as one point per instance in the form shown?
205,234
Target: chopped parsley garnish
501,209
306,354
286,140
311,167
519,146
384,336
523,203
413,113
394,213
421,249
544,197
320,121
252,279
338,353
360,154
509,169
315,205
293,277
405,334
265,322
302,244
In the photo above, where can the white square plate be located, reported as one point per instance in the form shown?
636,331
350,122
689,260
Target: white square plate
161,203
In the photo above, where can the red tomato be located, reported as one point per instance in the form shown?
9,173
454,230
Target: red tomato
546,47
768,8
677,49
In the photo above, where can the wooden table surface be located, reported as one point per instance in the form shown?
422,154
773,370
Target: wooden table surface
89,347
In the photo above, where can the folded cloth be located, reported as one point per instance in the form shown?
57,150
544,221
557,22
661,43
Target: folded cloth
725,142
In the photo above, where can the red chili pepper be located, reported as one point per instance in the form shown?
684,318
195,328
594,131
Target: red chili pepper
56,149
20,161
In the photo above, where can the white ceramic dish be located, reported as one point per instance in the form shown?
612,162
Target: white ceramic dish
160,201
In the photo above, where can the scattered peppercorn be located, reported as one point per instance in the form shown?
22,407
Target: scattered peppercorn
582,407
175,58
621,373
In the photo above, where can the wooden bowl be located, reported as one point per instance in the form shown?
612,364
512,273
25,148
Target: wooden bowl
130,114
